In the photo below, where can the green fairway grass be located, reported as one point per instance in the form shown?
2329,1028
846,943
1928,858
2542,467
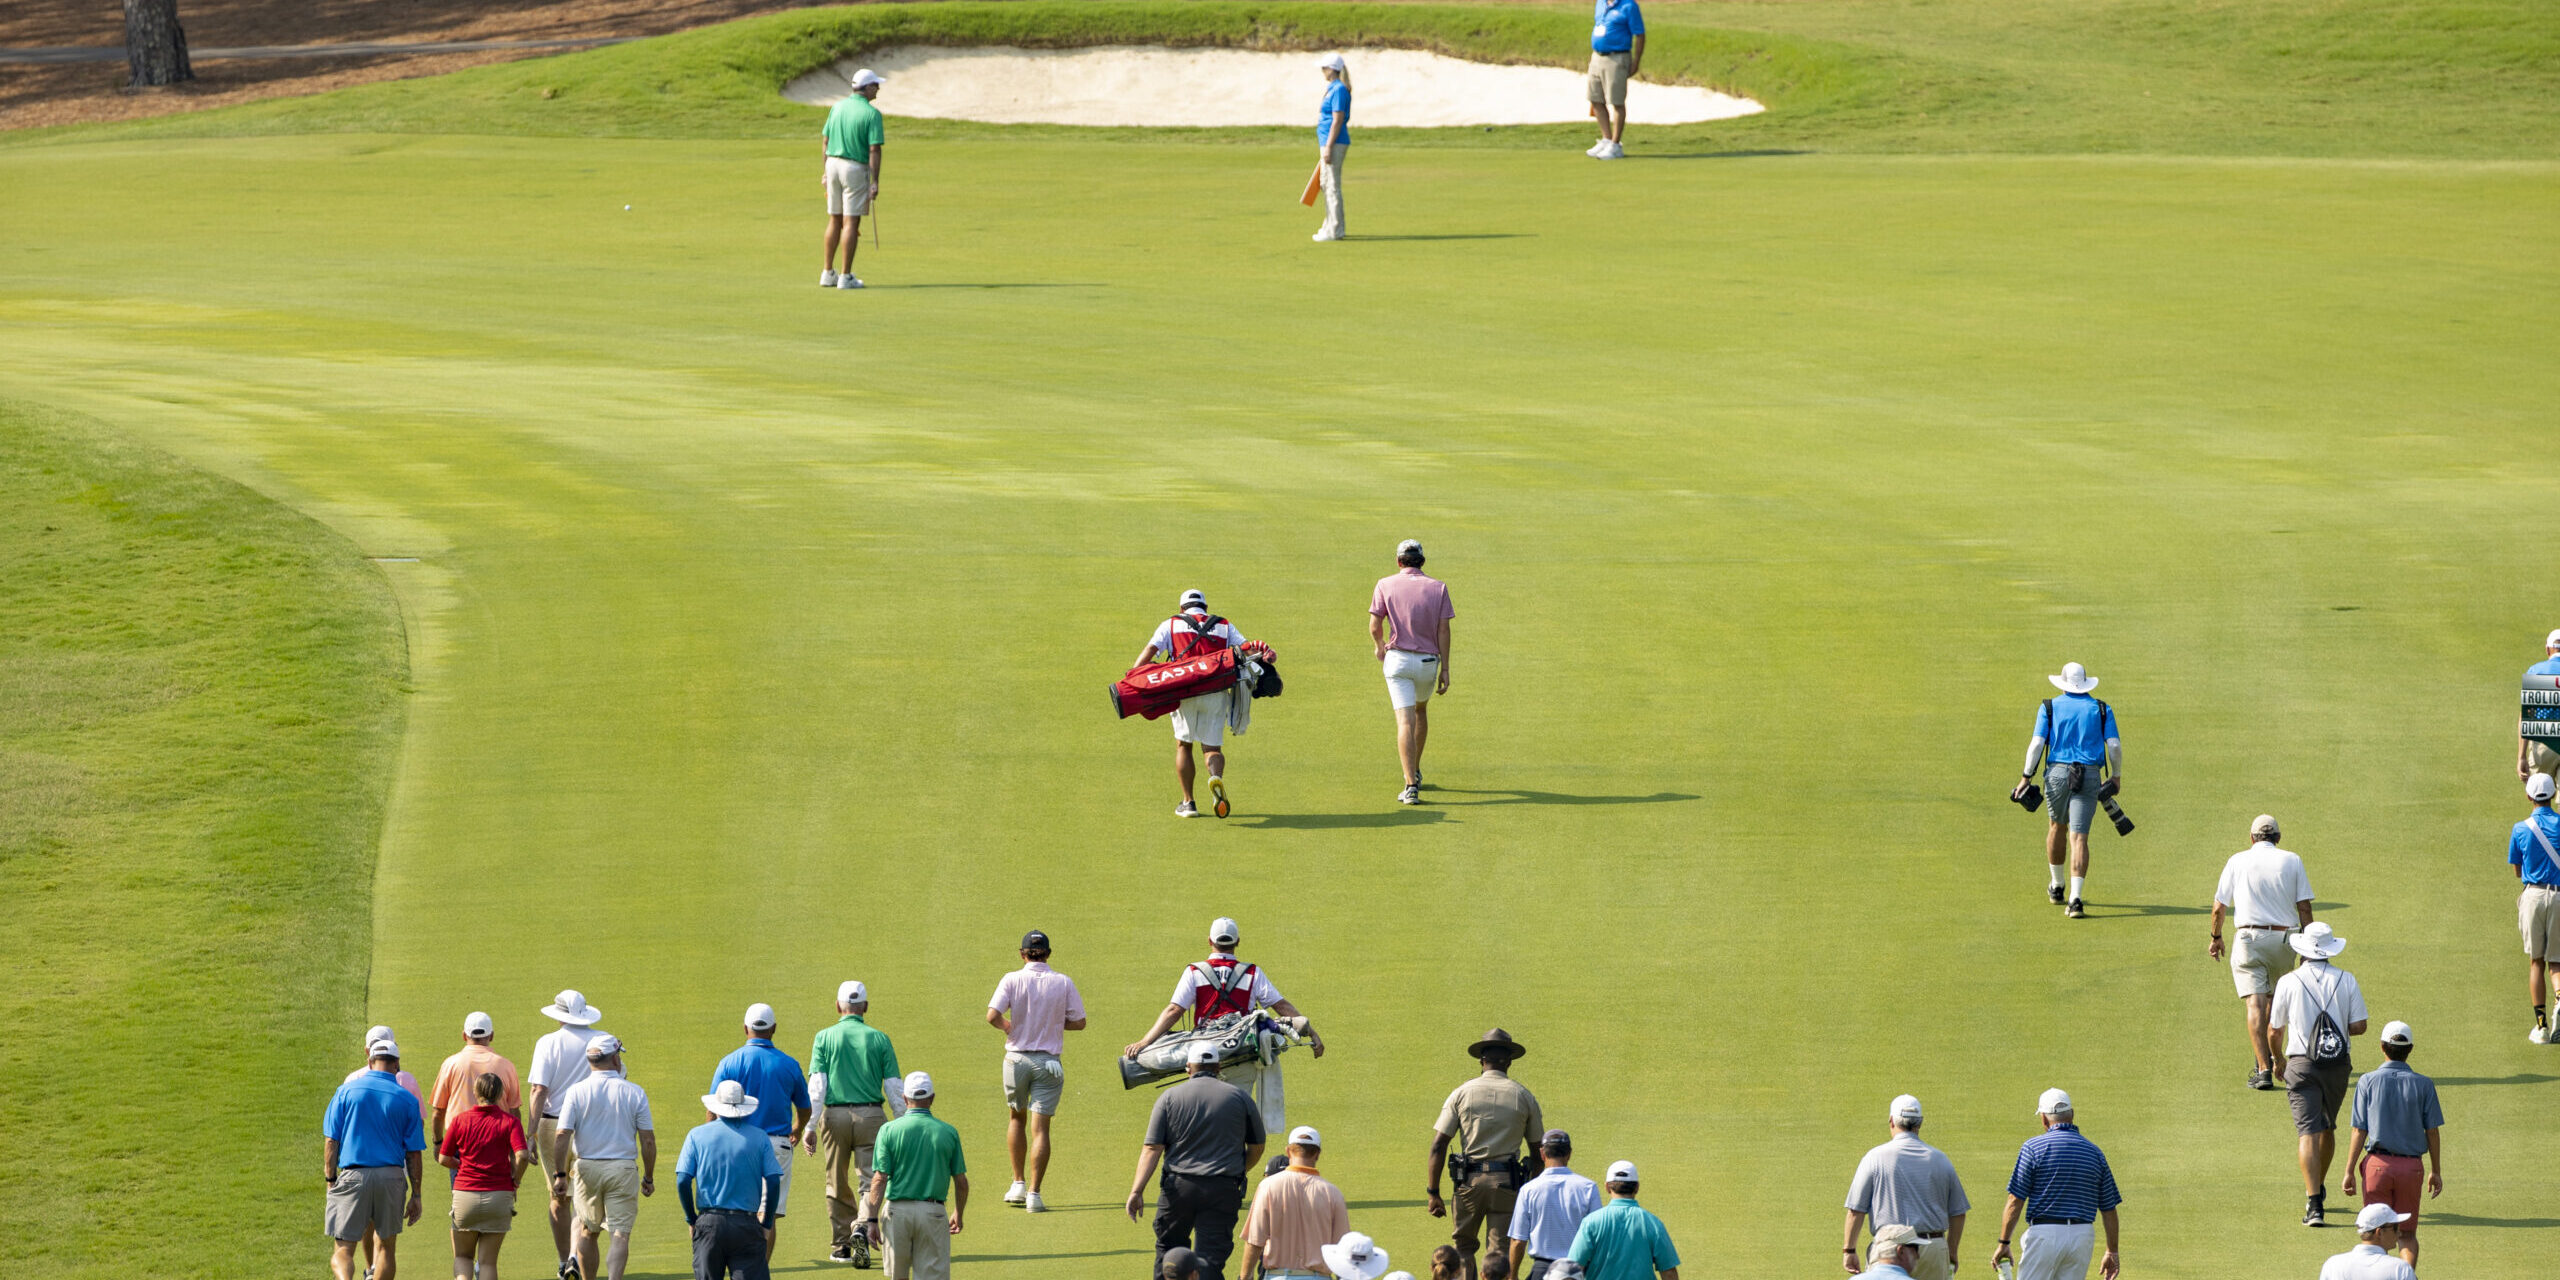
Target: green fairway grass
758,635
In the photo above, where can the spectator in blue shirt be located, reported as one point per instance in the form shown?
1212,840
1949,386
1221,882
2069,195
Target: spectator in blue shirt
1617,53
373,1150
726,1174
2533,756
2075,735
1621,1241
1333,141
774,1079
2533,849
2061,1182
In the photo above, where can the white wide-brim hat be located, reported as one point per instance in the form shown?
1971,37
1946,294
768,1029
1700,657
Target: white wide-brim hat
1355,1257
2074,679
2317,942
730,1100
572,1008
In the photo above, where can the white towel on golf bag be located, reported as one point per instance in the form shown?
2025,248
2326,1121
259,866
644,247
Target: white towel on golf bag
1240,695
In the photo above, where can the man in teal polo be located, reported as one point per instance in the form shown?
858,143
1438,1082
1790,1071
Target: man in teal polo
853,135
920,1172
1621,1240
853,1077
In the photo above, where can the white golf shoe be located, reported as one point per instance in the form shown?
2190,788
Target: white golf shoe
1325,235
2537,1036
1033,1204
826,279
1615,152
1014,1194
849,281
1597,149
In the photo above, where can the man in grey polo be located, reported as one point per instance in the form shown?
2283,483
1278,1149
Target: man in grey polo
1907,1182
1206,1133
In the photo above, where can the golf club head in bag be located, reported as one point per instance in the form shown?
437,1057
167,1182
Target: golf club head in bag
1238,1037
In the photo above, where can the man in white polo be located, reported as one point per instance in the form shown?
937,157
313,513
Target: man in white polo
2377,1233
2317,1008
1221,985
559,1063
2264,895
1409,616
606,1154
853,135
1203,719
1908,1183
1035,1007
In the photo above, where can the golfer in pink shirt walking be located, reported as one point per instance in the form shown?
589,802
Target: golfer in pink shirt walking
1035,1007
1409,616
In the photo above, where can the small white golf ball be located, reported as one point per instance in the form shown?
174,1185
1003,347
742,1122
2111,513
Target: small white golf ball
626,208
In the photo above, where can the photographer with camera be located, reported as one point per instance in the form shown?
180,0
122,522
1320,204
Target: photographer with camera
2075,735
1495,1125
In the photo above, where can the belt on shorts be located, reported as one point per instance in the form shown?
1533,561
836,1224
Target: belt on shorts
1930,1235
915,1202
2396,1155
2546,888
734,1213
2058,1222
2279,928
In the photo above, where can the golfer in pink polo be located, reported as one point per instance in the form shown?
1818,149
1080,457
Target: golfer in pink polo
1409,617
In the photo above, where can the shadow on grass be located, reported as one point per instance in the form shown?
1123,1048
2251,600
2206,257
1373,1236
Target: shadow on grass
1713,155
1515,795
2518,1078
1489,235
2465,1220
2100,911
1045,1257
1386,1204
1336,821
964,284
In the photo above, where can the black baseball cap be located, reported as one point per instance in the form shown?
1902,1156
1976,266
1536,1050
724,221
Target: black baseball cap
1035,941
1180,1263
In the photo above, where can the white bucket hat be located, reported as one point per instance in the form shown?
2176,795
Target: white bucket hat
2074,679
1355,1257
572,1008
729,1099
2316,941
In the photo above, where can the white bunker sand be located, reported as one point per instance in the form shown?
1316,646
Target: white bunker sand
1144,85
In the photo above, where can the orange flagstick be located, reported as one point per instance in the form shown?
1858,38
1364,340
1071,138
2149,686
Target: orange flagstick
1315,186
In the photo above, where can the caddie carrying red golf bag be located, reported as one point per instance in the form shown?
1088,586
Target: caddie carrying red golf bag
1201,662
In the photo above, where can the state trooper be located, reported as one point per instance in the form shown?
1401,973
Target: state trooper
1495,1126
1222,985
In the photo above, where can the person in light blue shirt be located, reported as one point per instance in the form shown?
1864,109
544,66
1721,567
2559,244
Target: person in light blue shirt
773,1078
2075,735
1621,1240
2534,755
1617,54
1550,1210
2533,849
725,1176
1333,140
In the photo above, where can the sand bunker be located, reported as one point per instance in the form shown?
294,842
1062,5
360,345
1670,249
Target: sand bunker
1131,85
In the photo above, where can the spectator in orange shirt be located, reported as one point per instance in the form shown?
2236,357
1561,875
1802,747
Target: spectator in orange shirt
458,1079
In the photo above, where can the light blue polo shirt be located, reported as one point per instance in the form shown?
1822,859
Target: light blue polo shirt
2075,728
728,1161
1615,24
2525,852
769,1076
2546,667
1336,106
375,1121
1622,1242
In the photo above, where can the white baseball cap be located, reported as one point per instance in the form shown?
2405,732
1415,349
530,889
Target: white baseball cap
2540,788
760,1017
2396,1033
2053,1102
851,992
919,1085
572,1008
1904,1107
1223,932
2265,825
1332,62
729,1099
1409,544
1622,1171
603,1046
382,1048
1200,1053
374,1033
1194,596
479,1024
1305,1136
2374,1217
2551,641
866,78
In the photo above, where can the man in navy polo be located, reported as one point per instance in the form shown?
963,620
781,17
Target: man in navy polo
2075,735
1617,53
372,1151
773,1078
2062,1182
726,1173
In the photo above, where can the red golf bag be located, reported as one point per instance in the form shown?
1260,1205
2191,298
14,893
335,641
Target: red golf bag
1156,688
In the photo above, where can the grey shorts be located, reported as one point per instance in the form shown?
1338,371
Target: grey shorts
2069,804
1034,1082
375,1197
2315,1094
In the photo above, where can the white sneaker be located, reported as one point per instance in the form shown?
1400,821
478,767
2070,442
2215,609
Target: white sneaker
2537,1036
1014,1194
1615,152
849,281
1323,236
1032,1204
1597,149
826,279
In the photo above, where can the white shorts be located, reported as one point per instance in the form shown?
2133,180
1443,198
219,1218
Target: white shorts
2055,1251
782,1148
1202,720
2258,958
848,187
2538,916
1411,677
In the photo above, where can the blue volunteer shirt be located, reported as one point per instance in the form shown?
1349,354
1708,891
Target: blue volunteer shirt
1622,1241
1615,24
2526,853
375,1121
769,1076
2075,728
1336,106
2063,1176
2546,667
727,1161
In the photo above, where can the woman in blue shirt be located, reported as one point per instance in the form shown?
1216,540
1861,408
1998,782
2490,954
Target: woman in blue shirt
1333,137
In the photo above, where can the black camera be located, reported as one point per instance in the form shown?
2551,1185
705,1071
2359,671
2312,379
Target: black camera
2107,800
2028,795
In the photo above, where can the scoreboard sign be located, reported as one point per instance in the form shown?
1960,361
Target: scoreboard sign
2540,712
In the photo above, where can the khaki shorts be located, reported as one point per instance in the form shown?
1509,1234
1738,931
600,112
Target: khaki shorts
375,1198
489,1213
1608,78
2538,916
1933,1261
608,1195
2258,958
848,184
545,1128
2540,755
1034,1082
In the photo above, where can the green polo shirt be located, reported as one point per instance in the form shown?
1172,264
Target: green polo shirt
920,1154
853,129
856,1057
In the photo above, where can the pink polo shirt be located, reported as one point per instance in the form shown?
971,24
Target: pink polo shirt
1041,1001
1414,606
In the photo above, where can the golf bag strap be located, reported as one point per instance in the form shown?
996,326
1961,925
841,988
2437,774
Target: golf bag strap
1202,632
1236,974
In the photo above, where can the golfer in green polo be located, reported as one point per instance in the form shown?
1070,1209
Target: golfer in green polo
919,1170
853,135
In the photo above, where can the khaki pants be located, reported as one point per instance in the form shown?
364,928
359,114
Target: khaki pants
845,1137
1332,168
919,1240
1933,1261
1485,1201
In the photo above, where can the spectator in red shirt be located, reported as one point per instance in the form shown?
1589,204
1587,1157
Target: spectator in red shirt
486,1150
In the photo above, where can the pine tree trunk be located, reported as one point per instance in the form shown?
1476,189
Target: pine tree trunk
155,46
